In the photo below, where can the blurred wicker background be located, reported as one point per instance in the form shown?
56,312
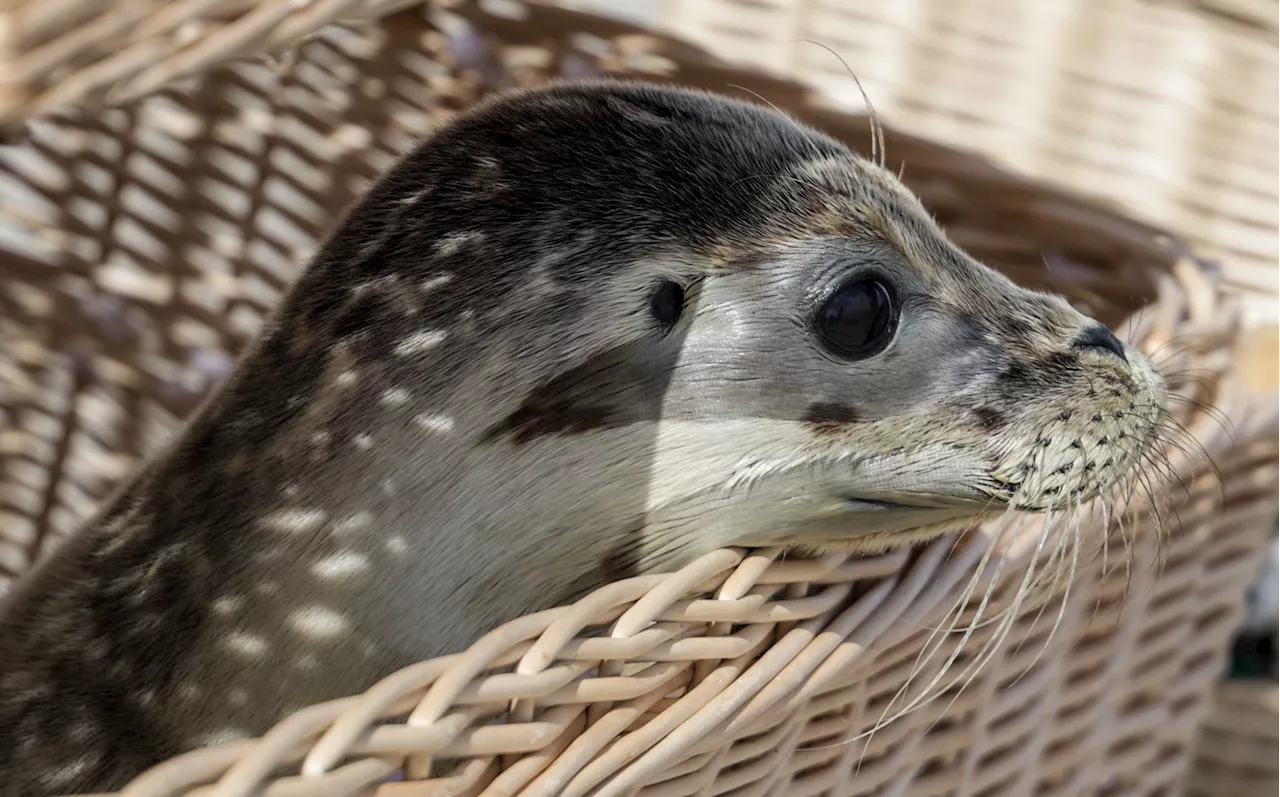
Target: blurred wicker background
147,225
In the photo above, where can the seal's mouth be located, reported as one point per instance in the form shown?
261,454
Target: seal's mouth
873,505
856,503
874,520
900,517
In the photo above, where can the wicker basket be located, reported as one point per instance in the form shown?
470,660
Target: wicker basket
145,239
1236,755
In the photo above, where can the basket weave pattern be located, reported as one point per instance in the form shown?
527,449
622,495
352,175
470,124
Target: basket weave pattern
143,245
1236,753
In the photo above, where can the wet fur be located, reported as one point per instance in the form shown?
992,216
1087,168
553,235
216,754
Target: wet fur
462,413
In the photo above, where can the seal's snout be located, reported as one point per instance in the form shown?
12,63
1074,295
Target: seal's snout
1100,339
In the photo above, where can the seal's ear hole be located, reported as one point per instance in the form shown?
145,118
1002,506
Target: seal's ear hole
858,319
666,303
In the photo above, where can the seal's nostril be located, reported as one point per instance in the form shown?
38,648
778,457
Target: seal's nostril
1100,338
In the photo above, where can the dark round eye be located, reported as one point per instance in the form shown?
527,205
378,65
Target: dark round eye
666,302
857,320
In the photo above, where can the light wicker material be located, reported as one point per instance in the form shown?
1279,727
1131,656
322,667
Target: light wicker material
1260,359
65,52
143,245
1236,755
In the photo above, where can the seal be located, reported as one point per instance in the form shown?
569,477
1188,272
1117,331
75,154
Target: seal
582,332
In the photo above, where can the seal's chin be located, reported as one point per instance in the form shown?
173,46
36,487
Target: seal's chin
861,504
859,517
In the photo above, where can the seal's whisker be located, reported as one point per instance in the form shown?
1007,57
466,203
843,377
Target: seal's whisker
934,628
1184,384
1128,521
1077,530
1039,569
1197,373
1162,531
1153,508
1146,485
1048,584
1055,570
988,651
1010,614
1134,324
1051,518
1172,433
928,693
1225,423
1104,569
1066,595
1170,352
1157,458
1184,343
877,130
1043,587
1159,462
1172,430
929,648
989,648
1171,424
1103,506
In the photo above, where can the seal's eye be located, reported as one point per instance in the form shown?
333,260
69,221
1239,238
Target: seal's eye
666,302
857,320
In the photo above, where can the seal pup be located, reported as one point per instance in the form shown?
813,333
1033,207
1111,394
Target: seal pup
581,332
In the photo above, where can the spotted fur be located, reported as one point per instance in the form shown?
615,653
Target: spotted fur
462,413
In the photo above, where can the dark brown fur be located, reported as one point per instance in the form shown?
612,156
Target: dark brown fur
829,417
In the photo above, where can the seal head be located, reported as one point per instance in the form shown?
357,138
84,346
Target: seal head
580,333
